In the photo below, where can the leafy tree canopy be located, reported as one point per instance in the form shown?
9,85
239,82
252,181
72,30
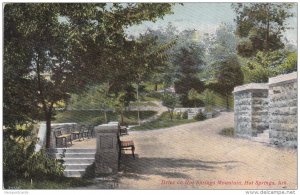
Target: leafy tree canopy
260,26
269,64
52,50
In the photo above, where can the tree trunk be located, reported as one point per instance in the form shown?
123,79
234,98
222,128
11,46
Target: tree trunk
48,129
155,87
227,103
122,118
105,116
171,114
138,99
267,30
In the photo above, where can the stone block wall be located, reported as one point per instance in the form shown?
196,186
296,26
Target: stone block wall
268,106
259,111
107,154
250,109
283,110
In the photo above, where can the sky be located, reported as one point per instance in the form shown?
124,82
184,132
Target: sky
204,17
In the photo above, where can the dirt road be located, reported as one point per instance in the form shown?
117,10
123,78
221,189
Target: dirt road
196,156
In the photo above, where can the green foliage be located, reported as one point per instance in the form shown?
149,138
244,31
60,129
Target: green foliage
95,117
163,121
40,165
178,116
153,95
200,116
189,60
185,115
194,97
95,97
228,75
193,94
209,99
228,132
170,100
261,26
289,65
52,50
21,162
222,44
269,64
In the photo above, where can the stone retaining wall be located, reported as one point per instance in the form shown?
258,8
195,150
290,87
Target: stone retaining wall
272,106
283,110
250,109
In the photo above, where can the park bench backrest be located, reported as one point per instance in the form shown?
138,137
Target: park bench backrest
57,133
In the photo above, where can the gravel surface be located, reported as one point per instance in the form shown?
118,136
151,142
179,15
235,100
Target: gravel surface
196,156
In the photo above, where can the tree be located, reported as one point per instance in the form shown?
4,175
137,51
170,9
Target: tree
218,47
147,58
59,48
227,77
269,64
208,97
189,61
193,95
260,26
170,100
95,97
47,67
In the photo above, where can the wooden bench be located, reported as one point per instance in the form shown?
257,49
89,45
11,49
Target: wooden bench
77,134
64,137
91,130
84,131
126,145
123,130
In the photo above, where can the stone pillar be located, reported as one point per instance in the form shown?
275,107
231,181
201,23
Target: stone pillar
250,109
283,110
107,154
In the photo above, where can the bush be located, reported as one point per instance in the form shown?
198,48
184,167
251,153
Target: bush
200,116
155,95
185,115
178,116
227,132
20,161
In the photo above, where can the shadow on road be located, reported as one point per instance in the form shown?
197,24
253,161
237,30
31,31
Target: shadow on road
167,167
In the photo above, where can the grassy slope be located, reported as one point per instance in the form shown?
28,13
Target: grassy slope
96,117
162,122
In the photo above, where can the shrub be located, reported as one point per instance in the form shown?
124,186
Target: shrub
227,132
170,100
20,161
185,115
155,94
200,117
178,116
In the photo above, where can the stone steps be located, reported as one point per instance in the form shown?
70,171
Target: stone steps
72,150
262,137
80,166
75,155
74,172
76,161
79,160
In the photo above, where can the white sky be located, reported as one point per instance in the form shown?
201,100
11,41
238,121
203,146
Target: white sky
204,17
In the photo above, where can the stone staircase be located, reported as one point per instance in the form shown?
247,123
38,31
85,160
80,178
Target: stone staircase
262,137
76,161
